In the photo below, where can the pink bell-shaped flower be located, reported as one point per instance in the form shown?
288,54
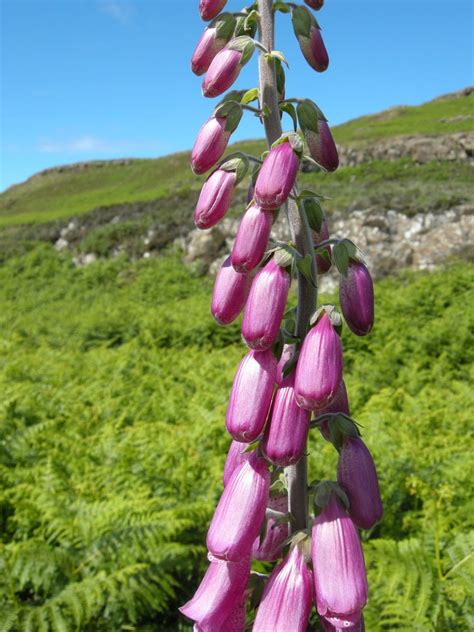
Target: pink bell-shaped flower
308,34
210,8
356,296
357,475
338,563
287,598
284,441
210,144
319,368
265,306
277,176
231,290
213,40
252,239
240,512
340,404
235,457
215,198
251,395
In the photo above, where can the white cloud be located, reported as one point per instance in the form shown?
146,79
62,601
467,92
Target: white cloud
89,144
119,10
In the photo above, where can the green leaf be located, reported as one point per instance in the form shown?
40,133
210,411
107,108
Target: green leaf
305,266
281,6
314,213
289,108
249,96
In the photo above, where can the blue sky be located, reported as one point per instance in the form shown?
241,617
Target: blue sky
94,79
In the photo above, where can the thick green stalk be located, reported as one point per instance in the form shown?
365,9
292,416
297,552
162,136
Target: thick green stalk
296,475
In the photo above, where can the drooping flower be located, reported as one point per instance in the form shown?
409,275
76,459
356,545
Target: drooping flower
319,368
340,404
286,601
252,239
235,457
357,475
226,66
315,4
231,290
284,441
210,144
251,395
220,592
270,548
210,8
308,34
317,135
356,296
277,176
215,198
338,563
265,306
214,38
240,512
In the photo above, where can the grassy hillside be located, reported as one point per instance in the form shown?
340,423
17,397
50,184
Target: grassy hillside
79,189
114,381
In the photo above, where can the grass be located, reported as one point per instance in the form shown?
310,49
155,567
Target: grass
76,190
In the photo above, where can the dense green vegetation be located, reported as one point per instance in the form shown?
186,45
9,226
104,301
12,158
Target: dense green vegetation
81,188
115,380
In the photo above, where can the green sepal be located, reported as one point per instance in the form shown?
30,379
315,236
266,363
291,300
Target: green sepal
249,96
295,141
289,108
281,6
245,45
334,316
314,213
256,585
252,446
305,266
243,28
285,254
280,79
302,20
343,252
341,427
308,116
278,486
290,364
224,24
238,164
277,347
323,492
277,54
232,112
307,193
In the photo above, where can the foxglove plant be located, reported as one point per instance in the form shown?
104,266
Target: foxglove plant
291,379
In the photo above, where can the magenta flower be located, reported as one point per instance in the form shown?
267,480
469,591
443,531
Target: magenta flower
322,147
213,40
252,239
265,306
271,546
287,598
285,435
315,4
240,512
308,33
357,475
210,8
235,457
338,563
286,355
277,176
319,368
251,395
323,263
223,71
356,296
340,404
215,198
210,144
220,592
231,290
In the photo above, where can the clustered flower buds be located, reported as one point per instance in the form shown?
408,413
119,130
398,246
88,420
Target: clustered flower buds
291,378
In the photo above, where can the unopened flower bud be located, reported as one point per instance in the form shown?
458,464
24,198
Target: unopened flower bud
215,198
356,296
357,475
226,66
323,262
231,290
235,457
318,136
265,306
319,368
277,176
210,144
340,404
287,597
252,239
270,548
240,512
284,441
308,33
210,8
220,592
251,395
338,563
214,38
315,4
